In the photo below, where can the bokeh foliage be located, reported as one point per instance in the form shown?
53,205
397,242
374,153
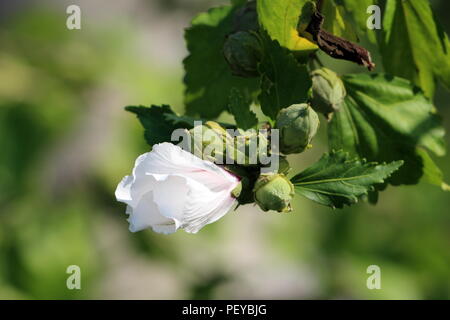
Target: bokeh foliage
50,220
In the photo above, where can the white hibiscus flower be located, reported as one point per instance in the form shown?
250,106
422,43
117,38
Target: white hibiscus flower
171,189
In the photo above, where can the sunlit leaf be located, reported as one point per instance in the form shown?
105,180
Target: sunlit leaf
413,45
335,21
384,119
357,10
280,19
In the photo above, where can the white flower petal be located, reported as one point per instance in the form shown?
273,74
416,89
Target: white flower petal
170,197
146,215
171,188
123,191
167,158
204,206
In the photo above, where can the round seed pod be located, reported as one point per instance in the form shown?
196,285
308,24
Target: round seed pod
274,192
328,91
298,124
243,52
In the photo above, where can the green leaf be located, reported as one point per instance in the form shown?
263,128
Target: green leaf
336,180
431,172
239,107
208,78
357,11
238,2
159,122
335,21
384,119
283,80
280,19
414,46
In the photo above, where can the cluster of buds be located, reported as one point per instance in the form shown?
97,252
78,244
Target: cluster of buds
214,143
270,190
297,125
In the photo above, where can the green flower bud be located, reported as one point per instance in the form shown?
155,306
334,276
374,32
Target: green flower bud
243,52
274,192
246,18
298,124
249,147
284,166
209,142
328,91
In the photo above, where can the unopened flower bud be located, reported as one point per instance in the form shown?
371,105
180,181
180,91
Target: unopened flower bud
243,52
249,148
274,192
246,18
298,124
328,91
209,142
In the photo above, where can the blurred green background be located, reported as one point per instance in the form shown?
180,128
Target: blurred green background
65,143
